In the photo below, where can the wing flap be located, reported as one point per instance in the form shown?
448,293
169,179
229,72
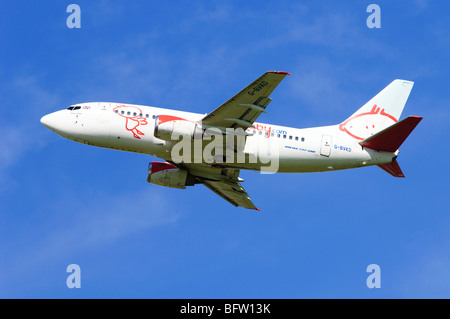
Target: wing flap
233,192
222,181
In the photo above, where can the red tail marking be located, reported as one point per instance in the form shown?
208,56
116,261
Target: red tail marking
390,139
392,168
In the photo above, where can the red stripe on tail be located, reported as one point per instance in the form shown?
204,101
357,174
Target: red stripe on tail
392,168
390,139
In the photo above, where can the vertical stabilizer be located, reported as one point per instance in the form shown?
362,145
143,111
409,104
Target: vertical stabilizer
380,112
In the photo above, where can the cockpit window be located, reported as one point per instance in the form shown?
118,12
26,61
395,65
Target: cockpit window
77,108
74,107
70,108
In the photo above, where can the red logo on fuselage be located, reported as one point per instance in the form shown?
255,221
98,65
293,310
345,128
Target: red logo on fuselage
365,124
134,118
168,118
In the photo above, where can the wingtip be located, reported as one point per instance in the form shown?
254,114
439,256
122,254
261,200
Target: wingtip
419,118
279,72
258,209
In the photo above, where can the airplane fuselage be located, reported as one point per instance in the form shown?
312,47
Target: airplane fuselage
131,128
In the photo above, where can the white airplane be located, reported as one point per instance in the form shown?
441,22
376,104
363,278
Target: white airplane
211,149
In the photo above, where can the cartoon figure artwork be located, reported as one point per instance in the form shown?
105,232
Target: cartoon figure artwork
363,125
134,118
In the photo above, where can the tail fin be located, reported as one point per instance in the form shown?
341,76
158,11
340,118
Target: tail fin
392,168
390,139
380,112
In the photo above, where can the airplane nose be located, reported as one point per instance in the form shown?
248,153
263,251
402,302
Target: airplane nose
47,121
53,121
60,122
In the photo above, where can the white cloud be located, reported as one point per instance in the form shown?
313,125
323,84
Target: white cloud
79,224
30,102
428,274
421,4
103,219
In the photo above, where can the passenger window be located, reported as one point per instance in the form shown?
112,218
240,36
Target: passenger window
140,114
146,115
122,112
303,139
153,116
266,134
116,111
134,114
290,137
296,138
278,135
260,132
128,113
273,134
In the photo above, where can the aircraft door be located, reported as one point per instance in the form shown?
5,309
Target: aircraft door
325,147
102,115
103,106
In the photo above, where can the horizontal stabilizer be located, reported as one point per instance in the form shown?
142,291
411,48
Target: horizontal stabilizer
392,168
390,139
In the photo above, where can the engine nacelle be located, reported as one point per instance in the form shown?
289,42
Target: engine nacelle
170,128
168,175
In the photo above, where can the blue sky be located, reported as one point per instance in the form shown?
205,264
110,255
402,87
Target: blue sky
65,203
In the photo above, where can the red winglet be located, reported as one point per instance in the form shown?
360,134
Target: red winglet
390,139
258,209
279,72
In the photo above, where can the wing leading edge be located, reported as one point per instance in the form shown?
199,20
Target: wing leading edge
242,110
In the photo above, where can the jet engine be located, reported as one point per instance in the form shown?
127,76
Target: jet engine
170,128
168,175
